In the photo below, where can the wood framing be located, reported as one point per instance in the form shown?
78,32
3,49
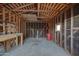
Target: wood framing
38,8
4,21
65,31
72,31
14,21
22,6
61,30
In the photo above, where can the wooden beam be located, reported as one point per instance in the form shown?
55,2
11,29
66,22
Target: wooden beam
41,6
32,10
38,8
51,8
47,6
56,13
41,14
9,16
14,18
23,6
11,6
56,8
66,7
6,6
42,17
72,18
44,8
61,30
5,12
4,31
55,29
65,43
50,4
19,24
15,5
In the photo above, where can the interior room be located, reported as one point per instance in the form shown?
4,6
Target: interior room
39,29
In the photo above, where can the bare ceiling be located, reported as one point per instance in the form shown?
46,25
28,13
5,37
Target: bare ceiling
41,10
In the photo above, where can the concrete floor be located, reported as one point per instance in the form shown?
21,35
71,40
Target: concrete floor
38,47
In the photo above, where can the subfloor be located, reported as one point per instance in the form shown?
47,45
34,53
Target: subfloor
38,47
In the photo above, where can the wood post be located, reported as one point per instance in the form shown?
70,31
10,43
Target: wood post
38,8
4,31
21,39
55,30
72,31
19,24
61,30
9,21
65,46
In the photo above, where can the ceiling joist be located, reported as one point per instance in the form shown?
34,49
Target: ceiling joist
22,6
46,10
33,10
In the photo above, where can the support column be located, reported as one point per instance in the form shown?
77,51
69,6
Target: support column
65,45
9,22
19,24
72,31
55,29
61,30
4,30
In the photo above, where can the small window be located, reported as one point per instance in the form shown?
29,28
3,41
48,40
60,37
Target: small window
58,27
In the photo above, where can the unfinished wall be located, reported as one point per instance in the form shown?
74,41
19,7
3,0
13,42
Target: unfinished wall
36,26
9,21
68,37
23,27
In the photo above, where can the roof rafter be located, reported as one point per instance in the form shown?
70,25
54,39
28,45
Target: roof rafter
32,10
23,6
